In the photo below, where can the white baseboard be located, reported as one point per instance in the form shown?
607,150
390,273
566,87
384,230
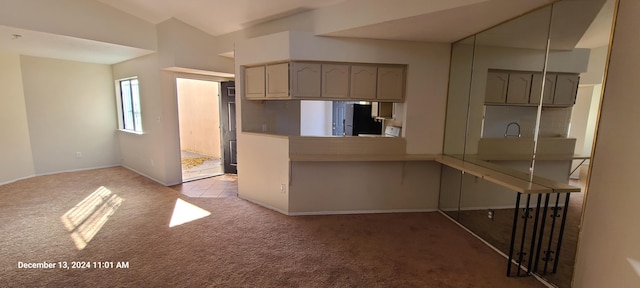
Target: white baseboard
147,176
264,205
310,213
58,172
17,179
360,212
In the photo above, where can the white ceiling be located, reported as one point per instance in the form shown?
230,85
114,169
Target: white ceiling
218,17
40,44
463,18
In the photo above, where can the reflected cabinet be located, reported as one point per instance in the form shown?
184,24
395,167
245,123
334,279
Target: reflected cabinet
514,113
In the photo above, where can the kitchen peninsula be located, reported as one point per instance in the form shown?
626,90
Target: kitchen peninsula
283,169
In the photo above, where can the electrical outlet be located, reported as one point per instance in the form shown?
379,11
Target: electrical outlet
78,155
283,189
491,214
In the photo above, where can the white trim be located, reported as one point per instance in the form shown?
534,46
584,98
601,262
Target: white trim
58,172
361,212
263,205
490,207
522,206
544,282
147,176
17,179
131,132
78,170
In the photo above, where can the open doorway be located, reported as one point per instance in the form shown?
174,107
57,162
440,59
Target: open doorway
200,136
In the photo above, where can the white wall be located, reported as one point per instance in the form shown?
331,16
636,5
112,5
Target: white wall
595,70
608,251
594,110
580,117
363,187
15,152
145,153
182,45
263,169
156,153
71,108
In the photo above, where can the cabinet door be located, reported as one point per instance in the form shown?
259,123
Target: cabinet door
496,90
519,87
363,82
566,89
390,83
335,81
254,82
278,80
305,80
382,109
549,88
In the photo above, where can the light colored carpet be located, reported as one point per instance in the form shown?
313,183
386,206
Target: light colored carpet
238,245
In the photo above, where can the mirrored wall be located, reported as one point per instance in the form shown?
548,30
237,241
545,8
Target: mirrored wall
523,100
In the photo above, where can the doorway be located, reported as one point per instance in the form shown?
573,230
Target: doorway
199,124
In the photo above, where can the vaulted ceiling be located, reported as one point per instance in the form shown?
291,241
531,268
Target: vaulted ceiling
414,20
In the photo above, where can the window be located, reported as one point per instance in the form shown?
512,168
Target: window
129,100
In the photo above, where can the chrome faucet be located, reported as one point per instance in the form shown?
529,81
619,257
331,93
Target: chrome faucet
506,132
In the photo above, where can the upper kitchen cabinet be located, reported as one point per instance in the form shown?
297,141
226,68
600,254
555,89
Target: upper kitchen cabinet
326,81
305,80
523,88
254,82
496,91
335,81
549,88
566,89
364,82
277,81
390,86
519,87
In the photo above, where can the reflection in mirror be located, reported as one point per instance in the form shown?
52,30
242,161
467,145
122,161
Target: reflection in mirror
578,40
458,97
456,130
501,118
531,105
501,129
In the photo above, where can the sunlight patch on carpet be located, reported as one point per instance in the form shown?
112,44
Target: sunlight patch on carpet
87,217
186,212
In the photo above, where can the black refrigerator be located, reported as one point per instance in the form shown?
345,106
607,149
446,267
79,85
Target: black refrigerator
358,120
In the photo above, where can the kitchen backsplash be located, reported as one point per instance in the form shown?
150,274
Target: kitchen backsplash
554,122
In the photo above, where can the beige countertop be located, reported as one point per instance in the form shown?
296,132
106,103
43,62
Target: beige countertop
527,157
361,157
506,177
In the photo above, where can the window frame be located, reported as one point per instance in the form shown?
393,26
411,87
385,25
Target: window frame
129,106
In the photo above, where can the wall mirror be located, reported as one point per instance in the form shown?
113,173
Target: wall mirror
523,100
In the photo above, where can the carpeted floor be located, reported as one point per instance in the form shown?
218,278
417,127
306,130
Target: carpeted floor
238,245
